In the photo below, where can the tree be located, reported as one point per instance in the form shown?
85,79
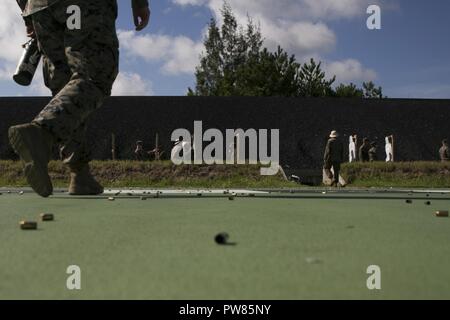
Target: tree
313,82
372,92
210,72
268,74
348,91
227,49
235,64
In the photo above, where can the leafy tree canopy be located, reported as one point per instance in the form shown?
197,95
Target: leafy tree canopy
234,63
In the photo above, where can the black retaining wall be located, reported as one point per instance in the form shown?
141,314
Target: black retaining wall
418,125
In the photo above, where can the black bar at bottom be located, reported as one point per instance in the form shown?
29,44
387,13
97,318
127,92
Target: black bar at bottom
199,309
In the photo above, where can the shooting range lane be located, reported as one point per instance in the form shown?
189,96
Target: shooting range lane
164,248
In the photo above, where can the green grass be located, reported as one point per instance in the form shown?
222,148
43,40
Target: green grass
153,174
167,175
398,174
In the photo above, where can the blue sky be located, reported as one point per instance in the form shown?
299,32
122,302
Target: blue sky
409,57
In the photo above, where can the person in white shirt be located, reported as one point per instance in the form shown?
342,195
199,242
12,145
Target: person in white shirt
389,150
352,149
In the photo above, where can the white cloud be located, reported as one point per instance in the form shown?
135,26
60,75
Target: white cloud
349,70
288,9
12,36
6,71
332,9
190,2
12,32
38,87
178,54
302,38
300,27
131,84
282,23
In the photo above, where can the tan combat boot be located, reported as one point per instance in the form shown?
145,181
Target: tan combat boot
33,144
82,183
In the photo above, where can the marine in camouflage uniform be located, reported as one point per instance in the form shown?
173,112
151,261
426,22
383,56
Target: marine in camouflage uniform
80,67
444,151
333,157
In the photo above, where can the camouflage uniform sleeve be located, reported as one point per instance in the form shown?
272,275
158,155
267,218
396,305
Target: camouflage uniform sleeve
23,5
139,3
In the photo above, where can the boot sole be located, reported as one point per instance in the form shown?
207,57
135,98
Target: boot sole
36,172
81,193
85,191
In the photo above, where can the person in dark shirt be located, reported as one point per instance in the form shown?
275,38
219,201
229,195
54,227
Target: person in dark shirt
444,151
364,151
333,157
139,153
373,152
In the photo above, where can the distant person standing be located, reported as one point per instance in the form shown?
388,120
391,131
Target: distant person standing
176,150
444,151
333,157
139,153
373,152
352,149
389,150
364,151
157,153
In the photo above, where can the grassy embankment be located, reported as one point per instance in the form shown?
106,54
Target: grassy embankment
166,175
398,174
162,174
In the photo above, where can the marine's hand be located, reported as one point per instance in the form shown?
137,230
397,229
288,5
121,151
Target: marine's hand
141,17
30,32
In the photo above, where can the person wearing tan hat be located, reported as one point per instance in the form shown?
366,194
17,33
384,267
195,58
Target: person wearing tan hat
333,157
444,151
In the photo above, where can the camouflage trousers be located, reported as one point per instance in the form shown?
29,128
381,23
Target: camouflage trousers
79,67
